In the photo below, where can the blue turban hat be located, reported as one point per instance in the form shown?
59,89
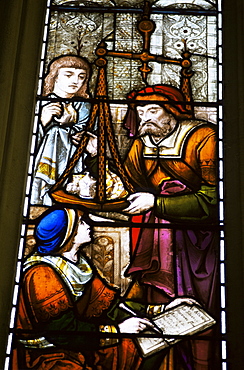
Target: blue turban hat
54,229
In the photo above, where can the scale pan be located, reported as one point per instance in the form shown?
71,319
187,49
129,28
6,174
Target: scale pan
61,196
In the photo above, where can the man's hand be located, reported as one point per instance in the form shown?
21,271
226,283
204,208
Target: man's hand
50,110
134,325
178,301
139,203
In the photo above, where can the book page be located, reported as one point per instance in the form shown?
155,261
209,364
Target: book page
181,320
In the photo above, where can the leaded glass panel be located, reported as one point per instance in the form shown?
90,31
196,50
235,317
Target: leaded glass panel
121,260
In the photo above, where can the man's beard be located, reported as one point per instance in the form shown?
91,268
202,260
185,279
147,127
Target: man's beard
154,130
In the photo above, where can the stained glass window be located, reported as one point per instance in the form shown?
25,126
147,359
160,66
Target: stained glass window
122,259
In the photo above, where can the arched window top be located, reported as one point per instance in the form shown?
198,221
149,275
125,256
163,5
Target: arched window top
83,3
187,4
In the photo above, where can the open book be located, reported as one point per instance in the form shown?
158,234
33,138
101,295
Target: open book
180,321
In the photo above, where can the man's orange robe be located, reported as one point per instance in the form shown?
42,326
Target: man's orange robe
170,261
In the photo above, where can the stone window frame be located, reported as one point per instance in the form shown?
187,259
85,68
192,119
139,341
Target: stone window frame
21,29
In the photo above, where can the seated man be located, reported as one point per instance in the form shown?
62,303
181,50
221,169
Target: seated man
68,316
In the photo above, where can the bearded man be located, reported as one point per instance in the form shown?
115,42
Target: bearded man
172,165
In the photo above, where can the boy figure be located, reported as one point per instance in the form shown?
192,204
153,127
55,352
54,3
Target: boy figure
61,123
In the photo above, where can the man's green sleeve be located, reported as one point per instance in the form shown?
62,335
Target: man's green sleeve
199,206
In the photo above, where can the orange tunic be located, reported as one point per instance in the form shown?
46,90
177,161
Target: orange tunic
190,158
194,163
45,298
